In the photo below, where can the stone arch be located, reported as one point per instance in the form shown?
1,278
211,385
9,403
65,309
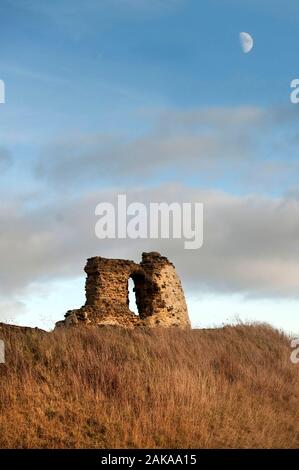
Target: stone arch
143,292
159,295
132,304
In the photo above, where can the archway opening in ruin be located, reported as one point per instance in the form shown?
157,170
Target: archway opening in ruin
143,293
132,297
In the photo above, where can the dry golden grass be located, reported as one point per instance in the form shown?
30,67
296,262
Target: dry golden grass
231,387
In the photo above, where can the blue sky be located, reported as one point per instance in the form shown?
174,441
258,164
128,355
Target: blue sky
154,98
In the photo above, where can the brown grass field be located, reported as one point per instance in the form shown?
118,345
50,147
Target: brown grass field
233,387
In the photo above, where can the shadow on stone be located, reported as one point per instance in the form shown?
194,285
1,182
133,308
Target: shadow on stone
159,295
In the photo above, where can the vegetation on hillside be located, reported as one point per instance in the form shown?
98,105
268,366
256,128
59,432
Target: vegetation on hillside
107,388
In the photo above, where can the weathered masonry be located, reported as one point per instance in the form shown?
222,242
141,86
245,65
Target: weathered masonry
159,295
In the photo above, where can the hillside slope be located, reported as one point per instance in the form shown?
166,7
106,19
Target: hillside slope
98,387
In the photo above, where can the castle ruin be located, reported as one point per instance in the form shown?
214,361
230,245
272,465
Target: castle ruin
159,295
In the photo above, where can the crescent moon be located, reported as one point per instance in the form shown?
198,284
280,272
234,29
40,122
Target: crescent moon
246,42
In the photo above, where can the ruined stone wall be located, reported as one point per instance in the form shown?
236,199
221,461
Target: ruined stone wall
159,295
168,301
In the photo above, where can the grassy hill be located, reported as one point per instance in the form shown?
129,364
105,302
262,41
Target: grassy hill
99,387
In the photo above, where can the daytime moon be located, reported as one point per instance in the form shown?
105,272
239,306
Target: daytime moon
246,42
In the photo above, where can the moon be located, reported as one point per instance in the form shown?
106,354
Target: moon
246,42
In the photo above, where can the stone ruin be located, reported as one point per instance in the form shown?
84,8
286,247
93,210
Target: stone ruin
159,295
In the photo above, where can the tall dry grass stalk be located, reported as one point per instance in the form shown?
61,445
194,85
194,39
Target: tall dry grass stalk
106,388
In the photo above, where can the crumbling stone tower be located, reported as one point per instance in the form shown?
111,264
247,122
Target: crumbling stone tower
159,295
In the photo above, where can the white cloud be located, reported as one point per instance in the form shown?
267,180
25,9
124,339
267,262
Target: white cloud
250,243
202,143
